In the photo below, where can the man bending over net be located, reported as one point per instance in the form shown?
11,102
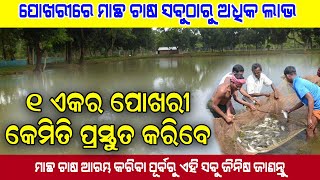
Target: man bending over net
309,95
236,69
221,100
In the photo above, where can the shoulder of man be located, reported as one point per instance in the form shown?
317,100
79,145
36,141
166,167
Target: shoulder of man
264,76
299,82
250,78
222,88
228,74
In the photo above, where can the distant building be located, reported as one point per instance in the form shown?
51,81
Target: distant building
168,50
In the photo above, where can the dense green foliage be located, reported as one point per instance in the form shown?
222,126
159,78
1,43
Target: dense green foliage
76,44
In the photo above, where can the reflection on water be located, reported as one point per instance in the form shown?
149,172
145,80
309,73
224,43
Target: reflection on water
168,63
200,76
13,95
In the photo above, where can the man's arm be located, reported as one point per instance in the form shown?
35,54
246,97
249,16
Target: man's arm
237,99
276,96
250,89
310,108
216,99
302,91
297,106
266,94
244,93
259,94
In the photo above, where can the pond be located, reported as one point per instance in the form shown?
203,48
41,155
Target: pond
198,75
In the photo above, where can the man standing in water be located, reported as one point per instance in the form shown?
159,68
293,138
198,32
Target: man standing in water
309,95
256,81
221,100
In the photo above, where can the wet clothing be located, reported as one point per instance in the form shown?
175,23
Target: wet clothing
302,87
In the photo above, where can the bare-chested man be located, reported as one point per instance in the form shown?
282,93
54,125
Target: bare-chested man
221,100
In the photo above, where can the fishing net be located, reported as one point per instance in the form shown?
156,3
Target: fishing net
263,130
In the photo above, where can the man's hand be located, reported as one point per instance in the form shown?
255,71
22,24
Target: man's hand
267,95
229,119
252,107
288,111
310,124
276,96
297,106
256,102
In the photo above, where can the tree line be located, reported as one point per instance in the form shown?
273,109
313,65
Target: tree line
92,42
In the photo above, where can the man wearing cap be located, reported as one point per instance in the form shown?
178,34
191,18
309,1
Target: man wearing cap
221,100
309,95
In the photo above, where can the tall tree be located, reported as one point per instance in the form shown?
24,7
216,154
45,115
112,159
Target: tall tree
256,37
213,39
302,37
43,40
8,42
143,38
278,36
231,37
316,33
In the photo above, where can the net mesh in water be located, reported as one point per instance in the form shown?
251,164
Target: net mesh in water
263,130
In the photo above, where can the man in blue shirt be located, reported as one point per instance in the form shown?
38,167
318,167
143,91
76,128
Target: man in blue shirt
309,95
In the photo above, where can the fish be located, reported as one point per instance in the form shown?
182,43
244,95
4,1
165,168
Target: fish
259,148
251,149
258,138
253,143
276,132
255,132
267,135
239,140
285,114
274,142
263,125
248,138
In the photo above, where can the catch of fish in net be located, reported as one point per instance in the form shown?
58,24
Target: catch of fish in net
261,131
259,138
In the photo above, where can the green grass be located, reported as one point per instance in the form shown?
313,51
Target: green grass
15,70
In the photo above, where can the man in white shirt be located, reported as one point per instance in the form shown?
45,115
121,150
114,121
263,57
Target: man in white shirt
256,81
